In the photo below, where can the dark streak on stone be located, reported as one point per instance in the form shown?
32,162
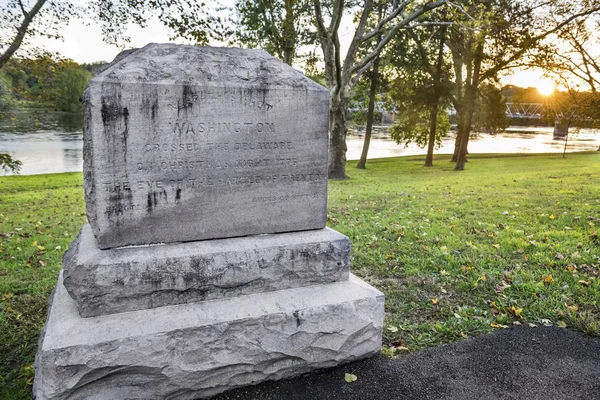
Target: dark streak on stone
125,133
187,99
149,204
178,194
154,110
296,315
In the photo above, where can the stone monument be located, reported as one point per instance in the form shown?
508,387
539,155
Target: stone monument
206,264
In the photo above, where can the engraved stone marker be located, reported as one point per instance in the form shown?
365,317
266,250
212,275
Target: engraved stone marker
187,143
183,144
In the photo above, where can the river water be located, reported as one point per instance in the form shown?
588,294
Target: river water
51,142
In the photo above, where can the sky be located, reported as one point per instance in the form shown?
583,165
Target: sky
83,43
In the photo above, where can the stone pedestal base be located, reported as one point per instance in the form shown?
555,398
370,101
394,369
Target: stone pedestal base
135,278
196,350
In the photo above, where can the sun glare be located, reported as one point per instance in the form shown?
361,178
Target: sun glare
545,87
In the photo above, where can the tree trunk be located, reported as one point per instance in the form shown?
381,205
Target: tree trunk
432,129
434,106
21,32
289,33
370,114
459,129
471,99
337,137
461,152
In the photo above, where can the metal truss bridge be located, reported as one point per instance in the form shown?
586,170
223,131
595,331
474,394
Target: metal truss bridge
524,110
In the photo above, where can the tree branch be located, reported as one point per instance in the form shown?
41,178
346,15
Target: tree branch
23,9
493,71
21,32
356,40
392,31
396,9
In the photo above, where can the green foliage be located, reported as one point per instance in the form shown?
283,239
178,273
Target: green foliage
93,67
359,100
48,80
69,85
417,85
412,126
278,26
490,115
9,164
6,100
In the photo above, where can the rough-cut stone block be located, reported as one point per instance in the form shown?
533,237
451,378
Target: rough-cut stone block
196,350
135,278
185,143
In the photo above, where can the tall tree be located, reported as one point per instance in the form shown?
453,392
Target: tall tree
342,74
497,36
421,86
22,20
374,81
278,26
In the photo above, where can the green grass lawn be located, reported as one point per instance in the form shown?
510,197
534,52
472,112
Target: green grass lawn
511,240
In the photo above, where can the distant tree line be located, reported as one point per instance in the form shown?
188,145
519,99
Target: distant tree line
44,81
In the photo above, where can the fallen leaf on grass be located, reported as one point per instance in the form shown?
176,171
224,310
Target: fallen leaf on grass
532,325
434,301
350,377
559,256
584,283
392,329
496,246
548,279
552,216
572,308
516,311
561,324
498,326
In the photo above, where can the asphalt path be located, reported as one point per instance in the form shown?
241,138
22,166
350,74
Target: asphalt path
546,363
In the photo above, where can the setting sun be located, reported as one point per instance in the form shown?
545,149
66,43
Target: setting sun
545,87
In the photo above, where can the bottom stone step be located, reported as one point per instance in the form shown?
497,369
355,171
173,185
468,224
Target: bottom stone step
196,350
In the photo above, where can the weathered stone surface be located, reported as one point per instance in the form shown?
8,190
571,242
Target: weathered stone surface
135,278
197,350
186,143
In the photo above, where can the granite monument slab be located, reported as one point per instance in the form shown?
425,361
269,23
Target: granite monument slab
186,143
